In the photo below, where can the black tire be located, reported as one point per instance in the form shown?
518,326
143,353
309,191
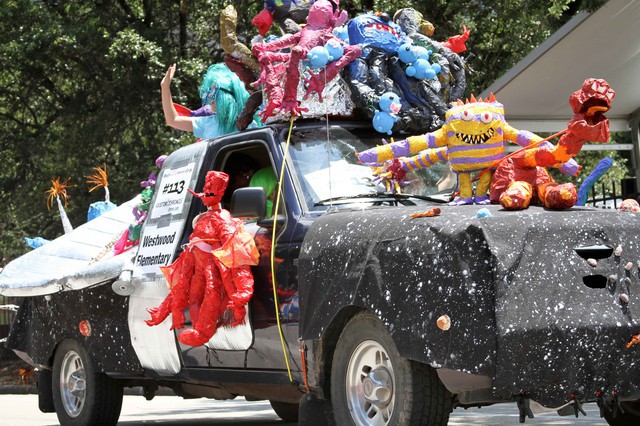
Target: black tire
285,410
631,416
366,371
82,395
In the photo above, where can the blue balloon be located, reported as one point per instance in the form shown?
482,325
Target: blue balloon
483,212
406,53
389,101
422,66
335,49
436,67
383,122
421,52
318,57
342,33
430,73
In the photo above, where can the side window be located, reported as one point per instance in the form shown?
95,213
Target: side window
241,163
249,165
240,168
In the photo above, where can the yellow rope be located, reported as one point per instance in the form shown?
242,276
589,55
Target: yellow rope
273,249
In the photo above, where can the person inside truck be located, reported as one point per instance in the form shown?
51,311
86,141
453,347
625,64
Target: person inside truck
223,97
240,169
266,179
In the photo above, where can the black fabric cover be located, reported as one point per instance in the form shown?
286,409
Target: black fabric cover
40,324
511,283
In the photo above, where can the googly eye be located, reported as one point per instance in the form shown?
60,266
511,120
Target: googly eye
466,115
486,117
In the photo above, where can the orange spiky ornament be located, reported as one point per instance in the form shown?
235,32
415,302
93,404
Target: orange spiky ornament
58,192
99,179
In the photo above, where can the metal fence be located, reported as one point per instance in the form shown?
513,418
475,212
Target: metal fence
611,199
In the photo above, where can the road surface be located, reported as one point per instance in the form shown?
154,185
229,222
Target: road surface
22,410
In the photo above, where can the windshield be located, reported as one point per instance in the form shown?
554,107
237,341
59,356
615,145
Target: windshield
328,171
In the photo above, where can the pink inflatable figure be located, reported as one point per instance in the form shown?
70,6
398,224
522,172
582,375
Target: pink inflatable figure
323,16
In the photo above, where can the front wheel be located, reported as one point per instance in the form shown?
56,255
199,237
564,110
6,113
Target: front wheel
371,384
81,394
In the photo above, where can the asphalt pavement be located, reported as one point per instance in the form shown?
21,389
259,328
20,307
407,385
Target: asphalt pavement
22,410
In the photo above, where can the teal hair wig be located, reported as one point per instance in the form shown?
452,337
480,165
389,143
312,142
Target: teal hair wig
228,92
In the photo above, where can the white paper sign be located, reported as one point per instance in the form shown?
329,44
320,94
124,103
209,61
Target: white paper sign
172,191
160,238
346,179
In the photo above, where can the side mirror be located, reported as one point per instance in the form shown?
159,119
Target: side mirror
249,202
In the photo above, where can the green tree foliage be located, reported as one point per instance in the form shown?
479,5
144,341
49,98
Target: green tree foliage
80,85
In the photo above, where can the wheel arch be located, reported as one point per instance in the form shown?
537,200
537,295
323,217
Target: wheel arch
332,333
329,341
45,380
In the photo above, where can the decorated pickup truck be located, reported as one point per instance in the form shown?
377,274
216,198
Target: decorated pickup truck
365,310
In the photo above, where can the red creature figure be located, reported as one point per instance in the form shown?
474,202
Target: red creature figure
523,178
457,43
212,274
323,16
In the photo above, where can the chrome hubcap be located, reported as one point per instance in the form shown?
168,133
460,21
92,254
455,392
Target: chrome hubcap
72,384
370,384
378,388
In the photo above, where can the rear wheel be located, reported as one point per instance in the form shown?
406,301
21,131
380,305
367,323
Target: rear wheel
631,416
371,384
81,394
285,410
